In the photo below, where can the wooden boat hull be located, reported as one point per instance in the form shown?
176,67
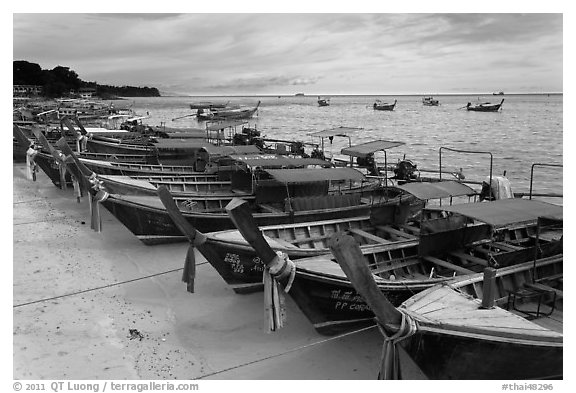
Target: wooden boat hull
152,224
485,108
333,306
112,168
125,185
453,355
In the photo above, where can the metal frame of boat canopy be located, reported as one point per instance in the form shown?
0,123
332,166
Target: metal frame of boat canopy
220,125
532,173
332,132
465,152
363,150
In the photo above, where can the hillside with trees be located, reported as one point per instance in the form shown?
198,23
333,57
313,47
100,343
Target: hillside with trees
60,81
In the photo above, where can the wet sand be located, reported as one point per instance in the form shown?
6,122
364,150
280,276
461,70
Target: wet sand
185,336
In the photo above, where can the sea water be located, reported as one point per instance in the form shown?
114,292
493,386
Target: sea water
527,130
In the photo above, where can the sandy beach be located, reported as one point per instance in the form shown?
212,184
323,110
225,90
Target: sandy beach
77,294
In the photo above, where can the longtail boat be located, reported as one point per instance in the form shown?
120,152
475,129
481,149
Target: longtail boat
401,269
383,106
448,334
485,107
226,113
241,268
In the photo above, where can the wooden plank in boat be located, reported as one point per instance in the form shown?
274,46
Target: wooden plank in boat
395,264
310,239
269,209
469,258
507,246
394,232
369,236
446,264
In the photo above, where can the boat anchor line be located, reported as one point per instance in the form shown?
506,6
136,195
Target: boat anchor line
284,353
102,287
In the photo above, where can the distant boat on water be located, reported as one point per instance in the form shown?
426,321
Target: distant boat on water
383,106
430,101
299,94
485,107
500,93
323,101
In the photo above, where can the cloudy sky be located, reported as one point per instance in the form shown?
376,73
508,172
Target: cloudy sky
280,53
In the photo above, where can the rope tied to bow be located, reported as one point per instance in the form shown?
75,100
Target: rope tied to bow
30,163
100,196
280,269
390,359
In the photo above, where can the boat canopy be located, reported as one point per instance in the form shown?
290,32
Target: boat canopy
164,143
505,212
365,149
338,131
436,190
230,150
275,160
225,124
312,175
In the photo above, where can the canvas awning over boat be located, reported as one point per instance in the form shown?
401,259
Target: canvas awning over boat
505,212
365,149
437,190
311,175
231,150
339,131
273,160
225,124
179,144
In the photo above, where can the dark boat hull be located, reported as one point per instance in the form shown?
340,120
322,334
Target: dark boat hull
457,356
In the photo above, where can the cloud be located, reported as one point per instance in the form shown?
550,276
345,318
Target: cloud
263,52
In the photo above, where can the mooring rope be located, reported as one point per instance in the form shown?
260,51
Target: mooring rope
102,287
285,353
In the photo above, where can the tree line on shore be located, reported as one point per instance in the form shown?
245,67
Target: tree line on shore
60,81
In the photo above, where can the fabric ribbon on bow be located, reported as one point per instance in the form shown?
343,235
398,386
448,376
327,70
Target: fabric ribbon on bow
30,163
82,142
390,359
189,272
100,196
279,269
61,163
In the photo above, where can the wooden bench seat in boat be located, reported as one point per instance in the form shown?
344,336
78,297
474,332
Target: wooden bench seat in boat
395,264
369,236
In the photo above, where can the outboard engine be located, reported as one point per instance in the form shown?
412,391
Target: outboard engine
500,189
405,170
317,153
